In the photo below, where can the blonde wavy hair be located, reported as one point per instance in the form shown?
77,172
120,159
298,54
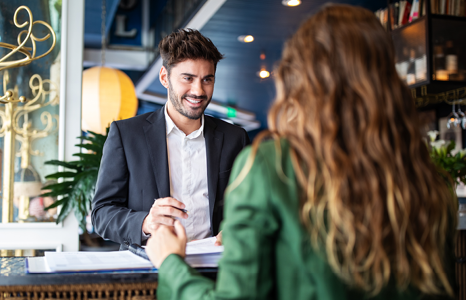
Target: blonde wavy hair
371,196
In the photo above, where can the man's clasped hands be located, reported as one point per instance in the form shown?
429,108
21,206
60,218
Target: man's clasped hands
167,233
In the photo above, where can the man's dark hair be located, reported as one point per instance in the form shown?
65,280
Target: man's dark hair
187,44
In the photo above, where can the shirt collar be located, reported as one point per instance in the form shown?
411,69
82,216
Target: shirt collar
170,125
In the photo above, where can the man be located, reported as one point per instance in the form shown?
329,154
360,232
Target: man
176,155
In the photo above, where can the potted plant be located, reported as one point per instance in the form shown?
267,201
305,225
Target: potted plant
76,182
443,156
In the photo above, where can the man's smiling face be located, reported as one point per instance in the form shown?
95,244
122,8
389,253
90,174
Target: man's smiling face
190,86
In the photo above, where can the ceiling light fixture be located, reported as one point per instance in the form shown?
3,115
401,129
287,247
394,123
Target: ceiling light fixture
262,56
291,2
264,74
107,94
246,38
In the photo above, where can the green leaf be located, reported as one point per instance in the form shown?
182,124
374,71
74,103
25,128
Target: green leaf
451,146
65,210
59,186
95,138
69,165
56,203
93,147
59,175
90,159
78,211
88,173
459,166
57,193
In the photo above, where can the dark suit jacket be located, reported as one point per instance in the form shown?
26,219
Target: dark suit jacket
134,172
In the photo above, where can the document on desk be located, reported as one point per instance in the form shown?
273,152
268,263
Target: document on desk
87,261
199,254
203,253
36,265
204,246
90,261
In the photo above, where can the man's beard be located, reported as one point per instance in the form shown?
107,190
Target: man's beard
177,102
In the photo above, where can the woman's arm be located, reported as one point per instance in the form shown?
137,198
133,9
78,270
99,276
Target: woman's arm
246,270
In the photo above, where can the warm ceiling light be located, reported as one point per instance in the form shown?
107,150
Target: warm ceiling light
246,38
264,74
107,95
291,2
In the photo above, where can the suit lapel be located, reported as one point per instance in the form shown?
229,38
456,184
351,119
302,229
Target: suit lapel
156,139
213,143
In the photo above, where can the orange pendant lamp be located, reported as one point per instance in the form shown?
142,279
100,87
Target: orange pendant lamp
108,95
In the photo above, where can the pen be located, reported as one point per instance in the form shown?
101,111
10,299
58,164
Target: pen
183,210
138,250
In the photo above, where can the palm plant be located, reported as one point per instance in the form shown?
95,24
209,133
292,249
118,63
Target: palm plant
78,179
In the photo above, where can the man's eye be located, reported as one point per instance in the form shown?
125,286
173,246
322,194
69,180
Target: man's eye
187,78
208,79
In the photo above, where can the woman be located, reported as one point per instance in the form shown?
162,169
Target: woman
343,202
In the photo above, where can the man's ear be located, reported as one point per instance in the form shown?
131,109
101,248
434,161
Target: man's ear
163,77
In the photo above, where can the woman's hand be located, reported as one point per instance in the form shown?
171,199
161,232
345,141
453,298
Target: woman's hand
164,241
218,242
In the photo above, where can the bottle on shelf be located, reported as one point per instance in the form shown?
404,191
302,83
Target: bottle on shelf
402,64
439,71
451,60
411,73
421,64
461,64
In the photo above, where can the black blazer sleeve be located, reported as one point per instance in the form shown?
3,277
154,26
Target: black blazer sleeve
111,217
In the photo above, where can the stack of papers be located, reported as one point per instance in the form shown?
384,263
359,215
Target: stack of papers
199,254
203,253
85,261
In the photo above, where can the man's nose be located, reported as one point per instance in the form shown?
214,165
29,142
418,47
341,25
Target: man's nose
197,88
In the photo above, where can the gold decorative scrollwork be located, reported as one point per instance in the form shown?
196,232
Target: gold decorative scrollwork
20,113
11,113
451,97
10,95
26,135
28,52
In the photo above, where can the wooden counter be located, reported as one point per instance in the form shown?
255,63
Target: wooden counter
15,284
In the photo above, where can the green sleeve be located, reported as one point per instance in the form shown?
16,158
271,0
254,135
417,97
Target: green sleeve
177,280
246,268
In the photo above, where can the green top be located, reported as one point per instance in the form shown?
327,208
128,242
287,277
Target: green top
267,254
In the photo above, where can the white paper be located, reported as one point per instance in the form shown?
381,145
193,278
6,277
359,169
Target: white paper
94,261
199,254
37,265
203,246
203,260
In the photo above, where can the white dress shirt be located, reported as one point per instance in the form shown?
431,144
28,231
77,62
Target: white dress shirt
188,177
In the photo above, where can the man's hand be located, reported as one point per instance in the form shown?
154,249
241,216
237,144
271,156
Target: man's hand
163,212
218,242
165,241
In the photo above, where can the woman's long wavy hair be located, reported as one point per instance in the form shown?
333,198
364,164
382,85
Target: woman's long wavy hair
371,195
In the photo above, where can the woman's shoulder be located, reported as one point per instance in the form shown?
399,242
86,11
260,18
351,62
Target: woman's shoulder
269,160
267,150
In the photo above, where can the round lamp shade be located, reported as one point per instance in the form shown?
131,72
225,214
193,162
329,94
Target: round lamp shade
108,95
